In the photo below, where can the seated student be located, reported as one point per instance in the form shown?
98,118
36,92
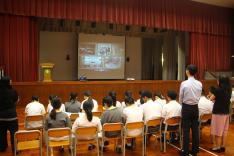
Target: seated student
140,101
73,106
205,106
111,115
49,106
87,96
132,113
34,108
171,109
158,97
211,93
116,103
151,110
127,94
57,118
87,120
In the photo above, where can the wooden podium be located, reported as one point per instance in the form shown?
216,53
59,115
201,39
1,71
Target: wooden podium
47,69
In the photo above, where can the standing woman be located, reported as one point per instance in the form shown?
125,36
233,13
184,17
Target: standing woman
220,113
8,116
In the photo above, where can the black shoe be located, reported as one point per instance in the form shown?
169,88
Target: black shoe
129,147
217,150
91,146
222,149
61,149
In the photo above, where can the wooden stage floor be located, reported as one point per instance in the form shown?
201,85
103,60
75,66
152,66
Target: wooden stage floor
153,149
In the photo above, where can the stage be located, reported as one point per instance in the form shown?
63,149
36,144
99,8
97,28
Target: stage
99,89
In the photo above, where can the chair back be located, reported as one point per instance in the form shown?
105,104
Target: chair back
59,132
29,139
34,118
81,131
154,122
173,121
73,117
205,117
97,114
109,127
134,125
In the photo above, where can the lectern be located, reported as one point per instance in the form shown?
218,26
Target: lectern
47,69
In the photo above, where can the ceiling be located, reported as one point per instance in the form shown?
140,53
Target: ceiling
223,3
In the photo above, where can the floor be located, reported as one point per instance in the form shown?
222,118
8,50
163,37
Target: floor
153,148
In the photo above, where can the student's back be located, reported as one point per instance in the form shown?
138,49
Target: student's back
73,106
62,120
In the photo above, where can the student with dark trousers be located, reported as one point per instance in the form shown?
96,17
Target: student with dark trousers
190,93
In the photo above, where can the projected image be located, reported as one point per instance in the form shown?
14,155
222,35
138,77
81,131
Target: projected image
101,56
112,62
87,49
93,62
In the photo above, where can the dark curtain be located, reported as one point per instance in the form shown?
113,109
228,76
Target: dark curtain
151,58
210,52
19,47
180,15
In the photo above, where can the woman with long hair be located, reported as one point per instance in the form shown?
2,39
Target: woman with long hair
87,119
73,106
220,113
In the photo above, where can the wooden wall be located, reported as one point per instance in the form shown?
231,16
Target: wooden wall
99,89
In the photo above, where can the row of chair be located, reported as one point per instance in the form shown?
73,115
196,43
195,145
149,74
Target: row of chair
34,137
82,131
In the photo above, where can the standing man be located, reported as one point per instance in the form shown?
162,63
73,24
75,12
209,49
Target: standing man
190,93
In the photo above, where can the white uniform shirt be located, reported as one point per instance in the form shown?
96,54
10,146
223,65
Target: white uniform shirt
34,108
82,121
49,108
161,101
133,114
95,105
171,109
138,102
205,106
151,110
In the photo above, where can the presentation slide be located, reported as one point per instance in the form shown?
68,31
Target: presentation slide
101,56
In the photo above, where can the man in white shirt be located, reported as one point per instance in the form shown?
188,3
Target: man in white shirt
34,108
205,106
87,96
151,109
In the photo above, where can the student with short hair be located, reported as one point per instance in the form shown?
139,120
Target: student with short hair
50,107
88,96
132,113
34,108
73,106
151,110
111,114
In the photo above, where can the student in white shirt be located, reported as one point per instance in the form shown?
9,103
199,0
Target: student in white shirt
171,109
34,108
50,108
87,119
87,96
132,113
158,97
151,110
205,106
